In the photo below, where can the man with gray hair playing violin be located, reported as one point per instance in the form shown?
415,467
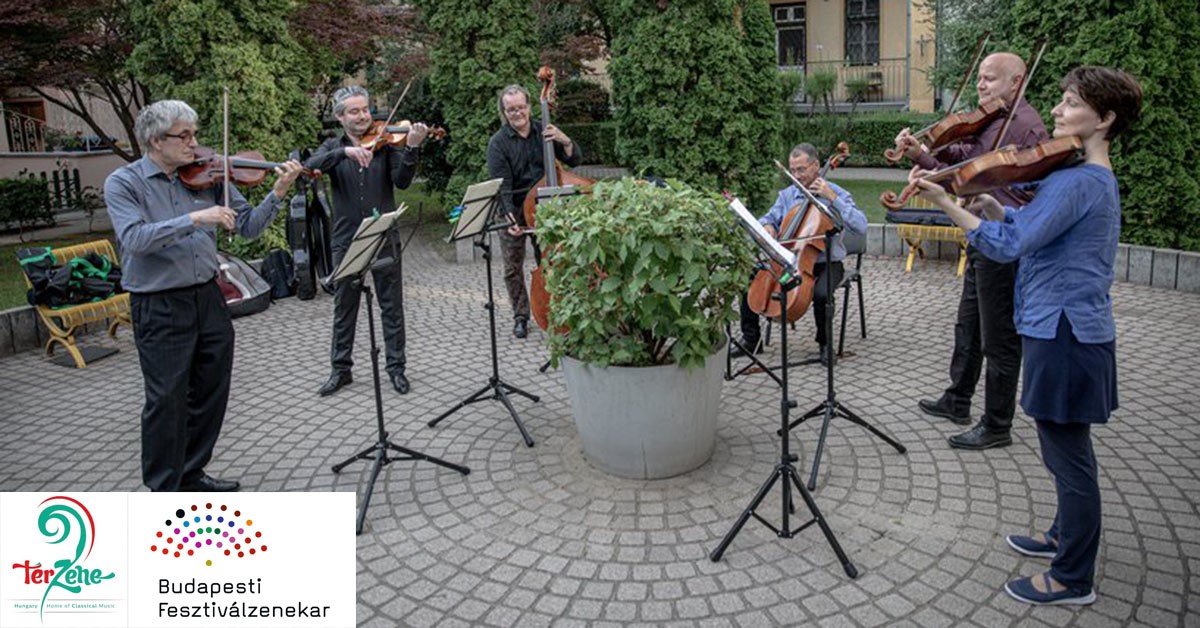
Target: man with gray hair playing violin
168,238
984,328
364,181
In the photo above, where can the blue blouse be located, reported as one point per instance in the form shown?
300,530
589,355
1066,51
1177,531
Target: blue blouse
1066,239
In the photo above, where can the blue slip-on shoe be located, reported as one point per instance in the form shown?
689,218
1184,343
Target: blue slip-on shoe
1030,546
1022,590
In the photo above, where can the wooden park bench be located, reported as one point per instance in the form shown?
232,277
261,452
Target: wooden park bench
63,323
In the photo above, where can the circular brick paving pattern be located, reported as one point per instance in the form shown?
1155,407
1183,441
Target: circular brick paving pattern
537,537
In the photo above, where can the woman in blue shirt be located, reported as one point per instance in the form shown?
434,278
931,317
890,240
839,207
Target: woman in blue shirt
1066,240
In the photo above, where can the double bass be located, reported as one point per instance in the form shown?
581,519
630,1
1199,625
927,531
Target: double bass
555,178
799,231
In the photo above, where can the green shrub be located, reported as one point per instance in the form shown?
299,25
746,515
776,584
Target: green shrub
597,139
24,202
581,101
869,134
642,275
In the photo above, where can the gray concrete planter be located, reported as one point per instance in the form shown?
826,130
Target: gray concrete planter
648,422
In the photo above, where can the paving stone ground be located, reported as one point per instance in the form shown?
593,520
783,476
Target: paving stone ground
537,537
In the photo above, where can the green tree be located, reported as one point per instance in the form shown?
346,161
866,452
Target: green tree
191,49
1155,160
960,24
479,48
697,95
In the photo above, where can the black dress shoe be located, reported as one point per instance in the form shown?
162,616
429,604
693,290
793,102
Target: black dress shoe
938,409
400,383
521,328
980,437
751,346
208,484
336,382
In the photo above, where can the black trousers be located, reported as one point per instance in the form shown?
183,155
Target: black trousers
985,330
347,297
185,344
752,329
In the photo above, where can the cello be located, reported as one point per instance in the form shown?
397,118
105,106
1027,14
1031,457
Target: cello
799,231
555,181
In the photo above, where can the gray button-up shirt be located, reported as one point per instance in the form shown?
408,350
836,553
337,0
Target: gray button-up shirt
160,249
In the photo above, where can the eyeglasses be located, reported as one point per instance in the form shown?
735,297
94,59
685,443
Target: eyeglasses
514,110
185,137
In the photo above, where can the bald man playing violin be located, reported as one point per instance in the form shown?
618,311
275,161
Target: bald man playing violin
168,239
364,182
985,327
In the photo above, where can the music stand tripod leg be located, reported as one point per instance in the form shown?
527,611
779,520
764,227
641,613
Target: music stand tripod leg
498,387
379,450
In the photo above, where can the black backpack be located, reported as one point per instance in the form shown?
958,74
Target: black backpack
280,275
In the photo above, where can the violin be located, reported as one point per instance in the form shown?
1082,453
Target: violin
381,134
798,231
955,126
555,176
998,168
246,169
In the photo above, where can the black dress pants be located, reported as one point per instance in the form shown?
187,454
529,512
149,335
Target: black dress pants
185,345
752,329
985,330
347,297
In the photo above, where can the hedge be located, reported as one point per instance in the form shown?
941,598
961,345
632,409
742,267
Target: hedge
869,134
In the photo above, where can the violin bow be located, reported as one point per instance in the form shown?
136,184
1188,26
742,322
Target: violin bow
225,142
397,105
987,36
1040,45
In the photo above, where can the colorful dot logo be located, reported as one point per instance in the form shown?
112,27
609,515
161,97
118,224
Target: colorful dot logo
210,533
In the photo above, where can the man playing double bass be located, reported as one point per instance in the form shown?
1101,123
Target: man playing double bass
985,327
514,154
805,165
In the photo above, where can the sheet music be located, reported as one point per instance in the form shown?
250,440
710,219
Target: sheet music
776,251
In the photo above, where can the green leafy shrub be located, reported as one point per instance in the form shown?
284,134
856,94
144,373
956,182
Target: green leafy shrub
597,139
24,203
818,87
580,101
869,133
641,275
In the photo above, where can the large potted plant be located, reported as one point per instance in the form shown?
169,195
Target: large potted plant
643,280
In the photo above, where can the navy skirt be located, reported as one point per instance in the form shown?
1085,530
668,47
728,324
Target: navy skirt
1067,381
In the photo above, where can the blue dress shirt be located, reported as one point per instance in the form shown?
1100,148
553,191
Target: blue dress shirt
854,219
160,249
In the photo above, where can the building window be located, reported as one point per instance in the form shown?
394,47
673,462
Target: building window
862,31
789,34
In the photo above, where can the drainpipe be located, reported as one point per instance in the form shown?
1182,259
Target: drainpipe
908,58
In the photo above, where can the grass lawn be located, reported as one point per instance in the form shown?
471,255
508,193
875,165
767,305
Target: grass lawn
12,279
866,195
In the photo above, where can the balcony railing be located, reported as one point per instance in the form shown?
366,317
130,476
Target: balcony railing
24,134
883,82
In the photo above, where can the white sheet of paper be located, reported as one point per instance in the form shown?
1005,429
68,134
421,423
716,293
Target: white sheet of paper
769,245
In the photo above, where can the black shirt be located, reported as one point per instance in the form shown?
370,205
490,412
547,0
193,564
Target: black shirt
518,160
358,191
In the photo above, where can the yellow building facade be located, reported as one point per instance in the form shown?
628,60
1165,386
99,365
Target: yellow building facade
886,46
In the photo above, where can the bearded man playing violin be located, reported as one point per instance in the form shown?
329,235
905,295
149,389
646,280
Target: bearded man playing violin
363,182
805,165
168,239
984,328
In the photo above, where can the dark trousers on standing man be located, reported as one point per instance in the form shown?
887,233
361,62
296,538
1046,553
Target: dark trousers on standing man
184,339
347,296
513,248
985,330
752,329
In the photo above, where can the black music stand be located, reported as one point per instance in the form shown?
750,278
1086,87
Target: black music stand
784,471
360,257
478,221
830,407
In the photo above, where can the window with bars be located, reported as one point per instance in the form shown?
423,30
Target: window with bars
862,31
789,34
